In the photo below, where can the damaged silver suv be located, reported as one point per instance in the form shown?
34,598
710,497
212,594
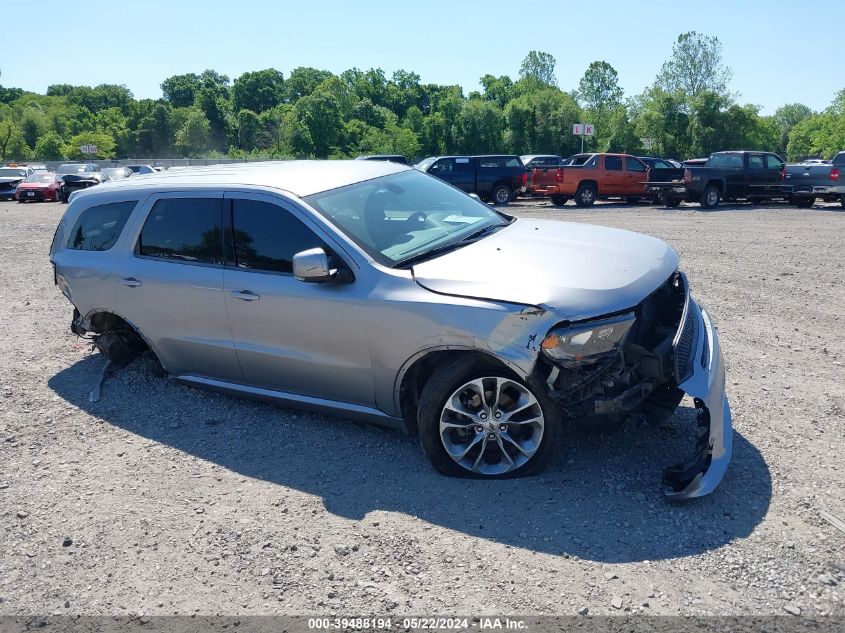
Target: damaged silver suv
374,291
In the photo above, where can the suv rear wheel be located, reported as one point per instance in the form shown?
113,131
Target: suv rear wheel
477,421
804,202
586,195
501,194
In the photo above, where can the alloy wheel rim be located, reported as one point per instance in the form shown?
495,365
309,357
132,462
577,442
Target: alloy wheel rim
711,198
587,196
491,425
501,196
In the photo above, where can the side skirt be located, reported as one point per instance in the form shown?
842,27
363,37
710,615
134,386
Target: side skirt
296,401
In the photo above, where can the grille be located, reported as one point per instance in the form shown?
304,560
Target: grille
685,347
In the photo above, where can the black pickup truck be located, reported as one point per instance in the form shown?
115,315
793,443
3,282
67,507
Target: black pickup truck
753,176
807,182
492,178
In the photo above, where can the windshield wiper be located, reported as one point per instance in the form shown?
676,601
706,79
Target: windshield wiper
469,239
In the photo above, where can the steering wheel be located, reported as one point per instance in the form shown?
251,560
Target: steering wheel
417,216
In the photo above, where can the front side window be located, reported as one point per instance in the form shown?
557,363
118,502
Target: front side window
183,229
443,166
632,164
402,216
613,163
98,228
774,162
266,237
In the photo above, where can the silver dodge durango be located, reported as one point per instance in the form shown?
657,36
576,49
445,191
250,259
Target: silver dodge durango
374,291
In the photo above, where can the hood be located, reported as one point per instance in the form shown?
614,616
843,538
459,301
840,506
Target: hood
577,270
5,180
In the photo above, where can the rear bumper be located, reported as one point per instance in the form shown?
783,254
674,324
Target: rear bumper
548,190
668,191
818,190
703,471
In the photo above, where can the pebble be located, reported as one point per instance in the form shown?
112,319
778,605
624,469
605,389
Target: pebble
341,550
67,542
616,602
583,611
793,609
609,575
22,514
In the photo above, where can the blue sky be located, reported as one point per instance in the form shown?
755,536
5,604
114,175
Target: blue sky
775,58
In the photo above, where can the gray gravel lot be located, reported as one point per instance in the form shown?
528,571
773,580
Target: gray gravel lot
160,499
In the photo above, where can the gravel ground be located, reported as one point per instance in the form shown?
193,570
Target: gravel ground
160,499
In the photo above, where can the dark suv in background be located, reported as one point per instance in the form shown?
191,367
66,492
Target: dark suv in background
497,178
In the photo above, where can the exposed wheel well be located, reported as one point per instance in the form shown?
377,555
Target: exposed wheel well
115,338
716,183
592,183
421,370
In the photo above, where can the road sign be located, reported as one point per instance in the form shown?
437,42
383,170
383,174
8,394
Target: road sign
577,129
88,149
589,129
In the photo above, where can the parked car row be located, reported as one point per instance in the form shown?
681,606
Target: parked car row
752,176
27,183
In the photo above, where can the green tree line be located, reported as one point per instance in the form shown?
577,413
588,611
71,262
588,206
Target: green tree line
687,112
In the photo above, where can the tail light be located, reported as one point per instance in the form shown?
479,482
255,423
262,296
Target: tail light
524,178
687,175
834,173
559,175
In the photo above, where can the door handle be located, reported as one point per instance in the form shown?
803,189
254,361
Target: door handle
244,295
129,281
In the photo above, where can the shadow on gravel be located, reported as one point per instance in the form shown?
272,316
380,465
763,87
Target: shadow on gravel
599,501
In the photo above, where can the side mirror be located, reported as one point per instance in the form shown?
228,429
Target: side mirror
313,266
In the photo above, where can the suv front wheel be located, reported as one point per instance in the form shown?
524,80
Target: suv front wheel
477,421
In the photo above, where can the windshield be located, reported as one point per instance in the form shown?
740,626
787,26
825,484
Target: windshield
425,163
116,173
402,216
40,178
71,169
12,173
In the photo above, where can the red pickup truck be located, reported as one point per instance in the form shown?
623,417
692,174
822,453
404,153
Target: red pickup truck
589,177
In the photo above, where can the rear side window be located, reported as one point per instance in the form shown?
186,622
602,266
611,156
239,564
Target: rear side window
98,228
184,229
499,161
731,161
633,164
266,237
773,162
613,163
755,162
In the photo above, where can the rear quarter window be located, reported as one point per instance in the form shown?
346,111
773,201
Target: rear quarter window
98,228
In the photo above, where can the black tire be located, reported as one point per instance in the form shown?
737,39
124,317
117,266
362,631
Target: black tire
804,202
672,202
842,200
710,197
586,194
559,201
501,195
444,382
632,200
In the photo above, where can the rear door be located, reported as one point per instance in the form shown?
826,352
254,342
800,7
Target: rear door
171,285
291,336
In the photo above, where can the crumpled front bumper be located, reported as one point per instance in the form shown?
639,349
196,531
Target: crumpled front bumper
703,471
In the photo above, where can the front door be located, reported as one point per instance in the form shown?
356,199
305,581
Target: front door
171,286
613,178
636,175
291,336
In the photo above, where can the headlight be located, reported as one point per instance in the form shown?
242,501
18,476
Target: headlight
587,342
